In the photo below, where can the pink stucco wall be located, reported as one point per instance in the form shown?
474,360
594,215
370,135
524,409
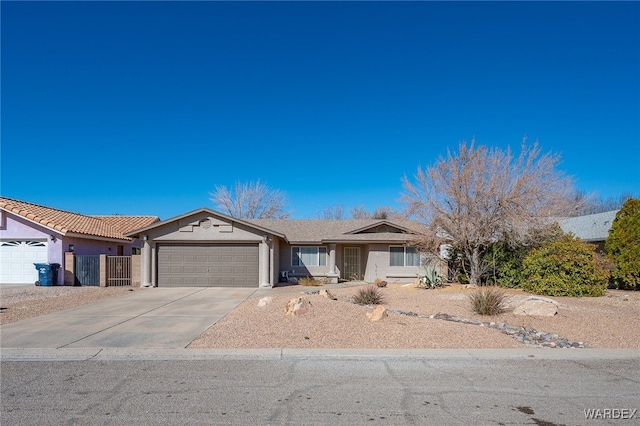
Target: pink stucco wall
13,227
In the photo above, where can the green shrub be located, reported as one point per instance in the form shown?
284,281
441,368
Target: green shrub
566,267
504,260
369,295
487,301
506,264
623,246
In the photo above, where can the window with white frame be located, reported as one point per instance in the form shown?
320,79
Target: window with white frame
403,256
308,256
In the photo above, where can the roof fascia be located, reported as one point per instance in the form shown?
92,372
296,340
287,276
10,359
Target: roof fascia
95,237
57,231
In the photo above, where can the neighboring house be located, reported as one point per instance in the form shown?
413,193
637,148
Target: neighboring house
208,248
593,228
30,233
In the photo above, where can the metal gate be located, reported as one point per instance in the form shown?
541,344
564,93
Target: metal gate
118,270
87,270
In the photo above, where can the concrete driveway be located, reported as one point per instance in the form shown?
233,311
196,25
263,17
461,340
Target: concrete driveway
152,318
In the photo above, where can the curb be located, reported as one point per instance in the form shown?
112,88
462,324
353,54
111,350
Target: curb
182,354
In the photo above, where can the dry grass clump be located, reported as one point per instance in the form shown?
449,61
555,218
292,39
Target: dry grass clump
369,295
488,301
312,282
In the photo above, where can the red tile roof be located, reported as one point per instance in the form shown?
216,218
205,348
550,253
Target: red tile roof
75,223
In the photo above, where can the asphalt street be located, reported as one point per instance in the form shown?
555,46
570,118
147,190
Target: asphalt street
294,389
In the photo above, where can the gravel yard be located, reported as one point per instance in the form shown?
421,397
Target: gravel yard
17,303
611,321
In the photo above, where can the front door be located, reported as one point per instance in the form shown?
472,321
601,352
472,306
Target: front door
352,264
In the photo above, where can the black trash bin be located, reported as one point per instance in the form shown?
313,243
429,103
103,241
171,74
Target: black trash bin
47,274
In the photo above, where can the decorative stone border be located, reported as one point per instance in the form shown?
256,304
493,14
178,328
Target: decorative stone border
527,335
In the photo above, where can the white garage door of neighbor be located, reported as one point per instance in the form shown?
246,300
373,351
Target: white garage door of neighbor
17,259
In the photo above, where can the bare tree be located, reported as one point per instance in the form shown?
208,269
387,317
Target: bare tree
250,200
359,212
385,212
592,203
481,195
332,212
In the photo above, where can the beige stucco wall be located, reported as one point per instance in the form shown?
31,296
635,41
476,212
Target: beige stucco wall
195,228
203,227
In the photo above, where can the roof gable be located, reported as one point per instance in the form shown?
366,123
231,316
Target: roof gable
186,220
69,223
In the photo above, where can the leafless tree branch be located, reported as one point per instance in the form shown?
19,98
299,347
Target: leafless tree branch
250,200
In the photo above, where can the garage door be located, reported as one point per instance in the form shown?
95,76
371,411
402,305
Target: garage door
208,265
17,259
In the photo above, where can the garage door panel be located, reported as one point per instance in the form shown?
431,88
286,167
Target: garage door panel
17,260
223,265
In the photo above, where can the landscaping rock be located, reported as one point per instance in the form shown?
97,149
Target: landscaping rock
326,294
297,307
536,307
265,301
377,314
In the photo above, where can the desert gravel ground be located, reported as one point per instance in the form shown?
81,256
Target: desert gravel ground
611,321
17,303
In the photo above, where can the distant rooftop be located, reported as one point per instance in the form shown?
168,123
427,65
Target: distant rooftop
591,227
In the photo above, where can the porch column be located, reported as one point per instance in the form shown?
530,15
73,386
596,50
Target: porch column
263,261
332,275
146,265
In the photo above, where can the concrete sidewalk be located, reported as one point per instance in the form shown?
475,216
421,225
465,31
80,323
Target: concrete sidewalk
152,318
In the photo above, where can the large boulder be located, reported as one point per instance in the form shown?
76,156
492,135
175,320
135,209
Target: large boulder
539,307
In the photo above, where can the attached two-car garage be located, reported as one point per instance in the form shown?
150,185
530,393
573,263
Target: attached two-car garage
207,264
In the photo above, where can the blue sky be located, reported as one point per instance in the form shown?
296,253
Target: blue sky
143,107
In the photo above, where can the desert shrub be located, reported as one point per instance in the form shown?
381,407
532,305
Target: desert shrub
369,295
312,282
487,301
378,282
623,246
566,267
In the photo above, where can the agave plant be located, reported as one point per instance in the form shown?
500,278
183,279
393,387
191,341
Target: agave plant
430,279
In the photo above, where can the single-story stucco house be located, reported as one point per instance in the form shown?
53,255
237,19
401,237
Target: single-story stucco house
208,248
31,233
592,228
